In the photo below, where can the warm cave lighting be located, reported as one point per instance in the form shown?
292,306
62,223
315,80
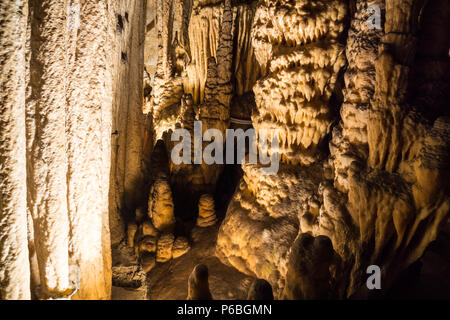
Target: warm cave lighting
224,150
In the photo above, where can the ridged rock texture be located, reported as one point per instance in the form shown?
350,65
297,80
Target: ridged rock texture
382,194
70,115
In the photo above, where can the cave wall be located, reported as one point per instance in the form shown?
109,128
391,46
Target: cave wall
15,271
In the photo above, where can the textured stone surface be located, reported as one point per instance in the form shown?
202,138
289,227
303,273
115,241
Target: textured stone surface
14,263
206,213
180,247
164,247
160,206
377,197
74,77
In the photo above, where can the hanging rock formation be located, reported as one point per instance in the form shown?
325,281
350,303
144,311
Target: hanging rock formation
14,261
381,196
160,206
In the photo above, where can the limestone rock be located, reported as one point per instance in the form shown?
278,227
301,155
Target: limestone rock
148,244
180,247
148,229
308,273
160,206
206,213
14,262
164,247
305,56
198,285
260,289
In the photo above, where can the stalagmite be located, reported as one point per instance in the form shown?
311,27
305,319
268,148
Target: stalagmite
131,233
160,206
206,213
260,289
48,156
308,274
164,247
198,285
14,263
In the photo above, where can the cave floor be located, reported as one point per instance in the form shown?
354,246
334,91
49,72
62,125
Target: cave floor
169,280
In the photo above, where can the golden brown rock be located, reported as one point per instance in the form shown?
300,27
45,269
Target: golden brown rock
164,247
148,229
206,213
160,206
132,228
180,247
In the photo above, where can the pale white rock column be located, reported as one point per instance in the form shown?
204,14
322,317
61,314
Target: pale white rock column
88,121
48,200
14,263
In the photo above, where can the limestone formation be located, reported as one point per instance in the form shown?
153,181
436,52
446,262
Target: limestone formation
131,233
148,244
308,272
180,247
206,213
164,247
160,206
148,229
301,56
260,289
148,262
198,285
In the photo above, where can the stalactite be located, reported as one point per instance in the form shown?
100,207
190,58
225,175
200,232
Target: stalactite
48,156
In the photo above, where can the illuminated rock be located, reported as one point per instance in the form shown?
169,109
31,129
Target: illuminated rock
160,206
148,244
180,247
206,213
132,228
164,247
